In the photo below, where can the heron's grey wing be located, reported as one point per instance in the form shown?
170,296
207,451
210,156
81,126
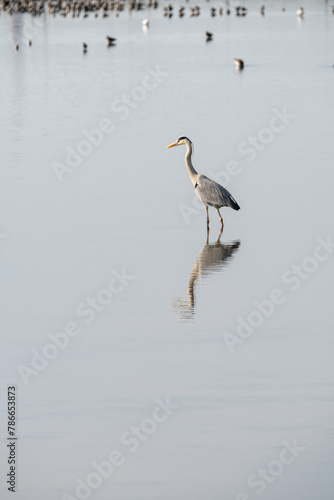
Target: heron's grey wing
212,193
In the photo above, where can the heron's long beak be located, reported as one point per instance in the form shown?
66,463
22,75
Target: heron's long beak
171,145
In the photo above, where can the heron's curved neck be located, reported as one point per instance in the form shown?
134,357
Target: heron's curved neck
191,171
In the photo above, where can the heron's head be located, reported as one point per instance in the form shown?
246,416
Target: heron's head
181,140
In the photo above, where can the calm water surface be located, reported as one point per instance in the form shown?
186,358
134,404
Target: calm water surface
101,236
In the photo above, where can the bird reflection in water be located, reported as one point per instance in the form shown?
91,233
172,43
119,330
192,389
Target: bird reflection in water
212,258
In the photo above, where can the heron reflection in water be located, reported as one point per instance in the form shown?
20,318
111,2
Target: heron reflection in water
212,258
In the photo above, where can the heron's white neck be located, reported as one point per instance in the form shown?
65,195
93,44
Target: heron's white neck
191,171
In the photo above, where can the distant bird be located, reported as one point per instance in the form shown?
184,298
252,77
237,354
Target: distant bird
85,47
169,7
241,11
195,11
209,36
145,23
262,9
30,43
17,47
209,192
283,9
168,11
300,12
110,41
239,63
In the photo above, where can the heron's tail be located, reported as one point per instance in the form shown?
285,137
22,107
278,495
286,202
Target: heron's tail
233,203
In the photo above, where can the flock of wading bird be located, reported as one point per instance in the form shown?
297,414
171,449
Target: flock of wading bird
104,8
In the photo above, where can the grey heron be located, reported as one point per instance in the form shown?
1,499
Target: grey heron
209,192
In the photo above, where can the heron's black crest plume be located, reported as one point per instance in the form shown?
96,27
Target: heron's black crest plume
182,137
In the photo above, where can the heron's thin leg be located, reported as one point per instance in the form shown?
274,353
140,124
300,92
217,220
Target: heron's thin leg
207,235
220,234
207,217
220,218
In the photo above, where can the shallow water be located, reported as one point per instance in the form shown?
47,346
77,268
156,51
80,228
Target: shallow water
107,241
